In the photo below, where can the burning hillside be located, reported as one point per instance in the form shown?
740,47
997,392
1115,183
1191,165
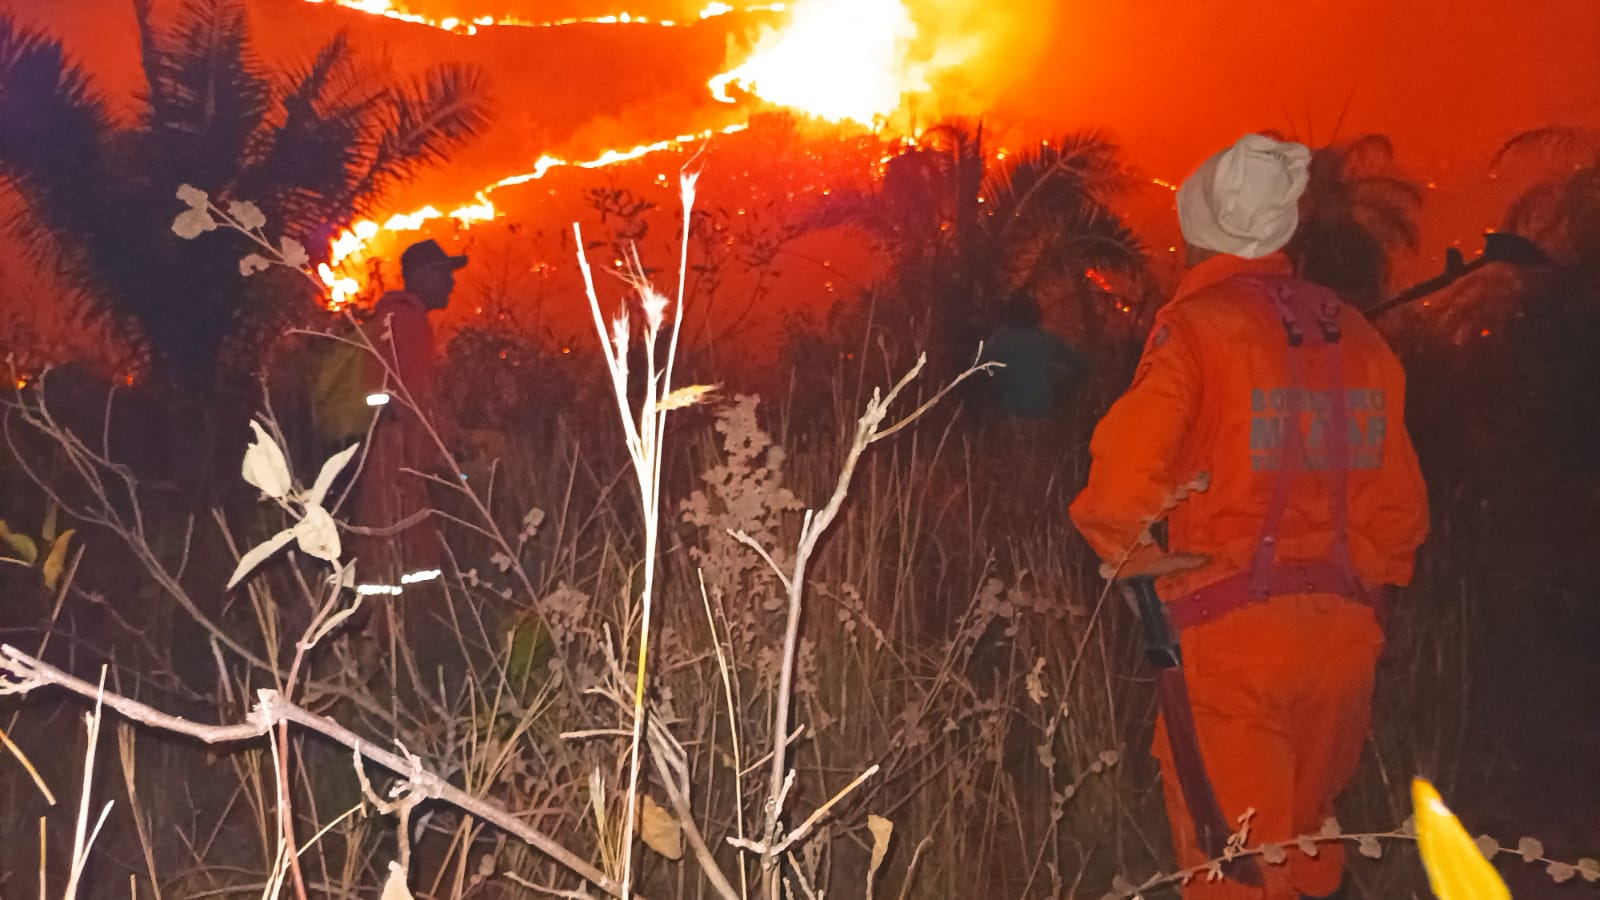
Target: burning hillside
836,60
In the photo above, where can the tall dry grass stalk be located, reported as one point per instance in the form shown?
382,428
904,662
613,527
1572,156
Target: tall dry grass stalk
645,431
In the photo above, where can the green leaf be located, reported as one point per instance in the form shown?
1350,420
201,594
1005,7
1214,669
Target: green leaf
20,544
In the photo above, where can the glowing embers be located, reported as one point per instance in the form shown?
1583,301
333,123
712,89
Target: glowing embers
836,59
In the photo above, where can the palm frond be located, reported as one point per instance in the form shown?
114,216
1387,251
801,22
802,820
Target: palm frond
1059,173
53,125
1565,145
855,208
1388,190
305,170
208,95
1372,152
427,120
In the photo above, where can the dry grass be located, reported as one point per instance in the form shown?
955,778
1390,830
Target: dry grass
954,667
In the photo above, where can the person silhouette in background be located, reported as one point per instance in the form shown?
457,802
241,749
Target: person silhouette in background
1038,363
413,423
1027,396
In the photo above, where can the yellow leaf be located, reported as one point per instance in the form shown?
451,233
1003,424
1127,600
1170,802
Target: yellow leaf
686,396
22,545
881,829
395,888
660,830
56,560
1456,869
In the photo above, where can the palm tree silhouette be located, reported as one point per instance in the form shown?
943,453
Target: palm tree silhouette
962,232
1358,211
313,146
1561,211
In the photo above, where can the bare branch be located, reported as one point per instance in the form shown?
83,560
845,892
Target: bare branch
30,673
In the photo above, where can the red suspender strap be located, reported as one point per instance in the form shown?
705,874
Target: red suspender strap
1296,304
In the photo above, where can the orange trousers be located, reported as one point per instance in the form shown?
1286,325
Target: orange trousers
1282,696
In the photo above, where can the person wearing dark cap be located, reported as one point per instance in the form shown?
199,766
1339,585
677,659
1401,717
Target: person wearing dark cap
414,425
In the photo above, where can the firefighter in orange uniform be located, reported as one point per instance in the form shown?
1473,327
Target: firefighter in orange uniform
1275,577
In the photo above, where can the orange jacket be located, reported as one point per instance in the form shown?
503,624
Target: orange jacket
1214,377
414,359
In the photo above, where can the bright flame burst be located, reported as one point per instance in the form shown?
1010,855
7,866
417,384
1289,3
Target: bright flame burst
836,59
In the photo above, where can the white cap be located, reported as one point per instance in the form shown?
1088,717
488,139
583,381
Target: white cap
1244,200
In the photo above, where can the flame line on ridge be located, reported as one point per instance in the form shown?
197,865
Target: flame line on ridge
352,242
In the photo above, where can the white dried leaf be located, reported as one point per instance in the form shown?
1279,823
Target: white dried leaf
191,223
193,196
258,554
882,829
317,534
1307,845
500,561
1560,872
253,263
395,888
1370,847
660,831
1330,828
294,255
1589,869
344,576
1409,826
247,214
1487,845
264,465
1530,849
1274,854
330,471
1110,757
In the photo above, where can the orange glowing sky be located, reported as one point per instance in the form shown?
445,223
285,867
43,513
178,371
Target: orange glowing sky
1171,81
